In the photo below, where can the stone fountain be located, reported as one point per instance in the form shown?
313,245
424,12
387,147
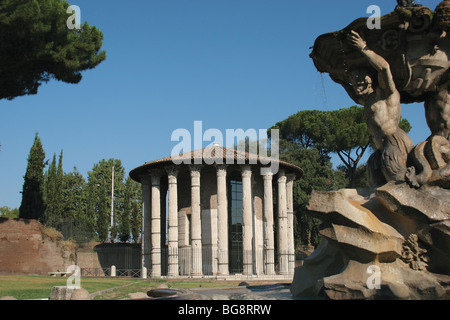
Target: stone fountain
391,241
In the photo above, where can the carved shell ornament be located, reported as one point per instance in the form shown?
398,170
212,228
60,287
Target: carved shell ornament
390,40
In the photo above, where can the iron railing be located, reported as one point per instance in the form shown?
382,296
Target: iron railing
128,262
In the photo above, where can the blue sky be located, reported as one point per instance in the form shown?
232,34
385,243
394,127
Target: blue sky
230,64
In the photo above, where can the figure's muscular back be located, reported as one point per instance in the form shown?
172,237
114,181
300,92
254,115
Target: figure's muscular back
383,115
437,112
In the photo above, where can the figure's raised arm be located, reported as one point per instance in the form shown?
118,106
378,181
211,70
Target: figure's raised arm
385,78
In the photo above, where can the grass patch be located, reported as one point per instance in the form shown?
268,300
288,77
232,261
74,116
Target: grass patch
40,287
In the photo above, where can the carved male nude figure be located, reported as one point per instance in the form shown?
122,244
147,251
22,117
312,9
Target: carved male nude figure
382,107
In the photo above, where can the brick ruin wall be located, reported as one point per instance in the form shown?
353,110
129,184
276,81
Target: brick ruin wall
24,250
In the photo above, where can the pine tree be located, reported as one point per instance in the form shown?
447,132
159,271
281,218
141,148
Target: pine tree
343,132
37,46
33,206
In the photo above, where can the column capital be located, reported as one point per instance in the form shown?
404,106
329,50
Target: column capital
145,179
221,170
268,175
290,177
246,171
281,176
156,176
172,171
156,172
195,169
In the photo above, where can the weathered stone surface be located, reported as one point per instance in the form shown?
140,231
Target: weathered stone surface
353,225
137,295
326,260
427,204
24,249
80,294
388,229
429,207
62,292
397,282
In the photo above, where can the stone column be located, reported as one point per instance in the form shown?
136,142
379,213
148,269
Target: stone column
258,225
172,173
196,223
247,225
283,263
156,223
222,213
290,220
163,224
269,243
146,242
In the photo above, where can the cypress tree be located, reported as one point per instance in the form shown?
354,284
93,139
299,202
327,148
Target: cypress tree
32,206
49,194
54,193
59,195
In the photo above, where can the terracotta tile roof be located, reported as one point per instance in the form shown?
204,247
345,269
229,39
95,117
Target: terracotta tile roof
211,155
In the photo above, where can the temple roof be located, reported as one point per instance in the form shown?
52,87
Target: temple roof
212,155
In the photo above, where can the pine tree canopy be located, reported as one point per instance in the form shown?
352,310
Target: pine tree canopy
37,46
343,132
